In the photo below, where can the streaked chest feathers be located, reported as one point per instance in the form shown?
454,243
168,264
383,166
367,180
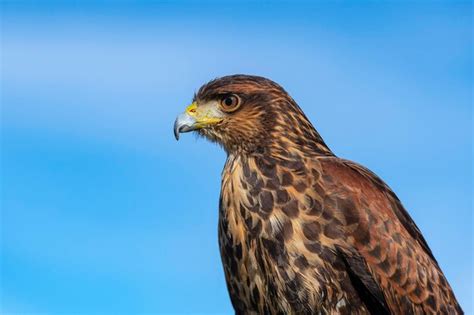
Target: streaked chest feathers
269,234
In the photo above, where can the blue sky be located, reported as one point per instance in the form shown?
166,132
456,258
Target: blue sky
103,212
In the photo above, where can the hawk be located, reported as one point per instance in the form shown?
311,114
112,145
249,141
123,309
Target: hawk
302,231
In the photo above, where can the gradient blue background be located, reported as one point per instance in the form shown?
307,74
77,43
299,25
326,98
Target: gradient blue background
103,212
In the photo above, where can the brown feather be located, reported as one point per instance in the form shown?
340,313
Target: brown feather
304,232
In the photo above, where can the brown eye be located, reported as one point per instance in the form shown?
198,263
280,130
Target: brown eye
230,103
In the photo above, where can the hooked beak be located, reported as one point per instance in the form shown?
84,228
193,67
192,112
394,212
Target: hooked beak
184,123
195,118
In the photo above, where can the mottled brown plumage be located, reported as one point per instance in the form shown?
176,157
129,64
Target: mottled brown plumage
302,231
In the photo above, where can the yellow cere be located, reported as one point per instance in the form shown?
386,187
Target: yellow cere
191,109
202,118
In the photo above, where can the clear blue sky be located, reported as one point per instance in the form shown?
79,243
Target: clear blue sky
103,212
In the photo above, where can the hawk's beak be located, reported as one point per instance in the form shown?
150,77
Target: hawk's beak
184,123
193,119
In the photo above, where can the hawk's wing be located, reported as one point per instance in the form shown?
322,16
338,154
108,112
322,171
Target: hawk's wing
386,256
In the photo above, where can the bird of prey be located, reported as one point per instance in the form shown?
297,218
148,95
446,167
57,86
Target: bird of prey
302,231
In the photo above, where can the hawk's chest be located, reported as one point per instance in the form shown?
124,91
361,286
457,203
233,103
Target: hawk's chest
260,236
235,201
252,234
240,233
239,202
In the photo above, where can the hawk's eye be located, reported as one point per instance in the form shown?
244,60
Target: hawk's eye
230,103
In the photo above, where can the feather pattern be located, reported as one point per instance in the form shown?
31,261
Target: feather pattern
302,231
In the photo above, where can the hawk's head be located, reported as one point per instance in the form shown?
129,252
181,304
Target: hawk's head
249,114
